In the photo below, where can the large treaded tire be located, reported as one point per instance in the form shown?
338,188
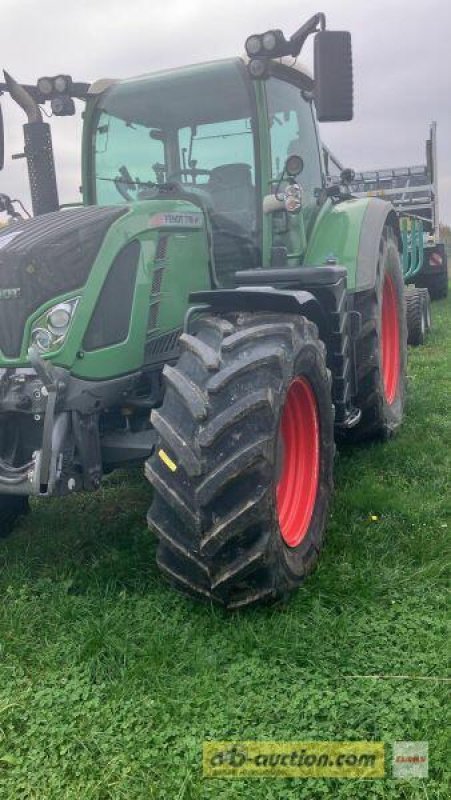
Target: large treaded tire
11,508
416,313
427,309
381,416
216,514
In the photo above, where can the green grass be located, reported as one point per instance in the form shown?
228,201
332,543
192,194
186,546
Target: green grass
109,681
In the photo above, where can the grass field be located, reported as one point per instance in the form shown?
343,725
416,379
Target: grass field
110,682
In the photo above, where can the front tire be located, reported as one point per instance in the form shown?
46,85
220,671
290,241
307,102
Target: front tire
242,476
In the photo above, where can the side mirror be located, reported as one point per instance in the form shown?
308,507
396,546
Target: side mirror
2,141
333,92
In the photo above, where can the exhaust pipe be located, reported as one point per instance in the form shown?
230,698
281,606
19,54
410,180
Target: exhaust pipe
38,151
23,99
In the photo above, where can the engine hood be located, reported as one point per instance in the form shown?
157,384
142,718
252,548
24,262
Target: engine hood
44,257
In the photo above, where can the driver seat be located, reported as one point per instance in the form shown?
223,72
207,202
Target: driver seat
232,193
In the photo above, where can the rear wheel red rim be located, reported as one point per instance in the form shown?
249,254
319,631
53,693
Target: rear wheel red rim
390,340
298,485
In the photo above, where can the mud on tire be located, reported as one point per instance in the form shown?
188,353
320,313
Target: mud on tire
217,468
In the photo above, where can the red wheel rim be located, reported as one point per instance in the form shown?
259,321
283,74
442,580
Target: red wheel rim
298,486
390,340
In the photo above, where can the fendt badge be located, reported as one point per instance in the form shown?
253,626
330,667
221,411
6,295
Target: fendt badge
9,294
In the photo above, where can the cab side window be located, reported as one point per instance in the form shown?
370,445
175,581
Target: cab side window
293,131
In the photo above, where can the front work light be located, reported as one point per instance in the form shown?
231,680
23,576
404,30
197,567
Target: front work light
271,43
254,45
61,83
63,106
272,40
258,68
58,85
45,86
261,47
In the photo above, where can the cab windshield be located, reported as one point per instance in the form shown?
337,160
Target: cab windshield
193,126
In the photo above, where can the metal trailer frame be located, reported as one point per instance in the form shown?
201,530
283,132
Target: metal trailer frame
413,191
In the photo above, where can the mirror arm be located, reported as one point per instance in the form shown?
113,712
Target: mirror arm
300,36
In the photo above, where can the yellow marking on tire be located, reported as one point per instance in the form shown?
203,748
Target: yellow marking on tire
168,461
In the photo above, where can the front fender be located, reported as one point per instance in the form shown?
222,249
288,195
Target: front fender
349,233
264,298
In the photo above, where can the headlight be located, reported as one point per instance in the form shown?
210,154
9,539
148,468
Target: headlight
50,330
42,339
59,318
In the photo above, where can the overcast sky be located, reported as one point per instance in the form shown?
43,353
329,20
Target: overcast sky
402,67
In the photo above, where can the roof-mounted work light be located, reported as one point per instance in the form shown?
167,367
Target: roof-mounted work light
271,43
261,47
58,90
52,87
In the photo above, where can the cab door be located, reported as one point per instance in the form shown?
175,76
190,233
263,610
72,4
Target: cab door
293,131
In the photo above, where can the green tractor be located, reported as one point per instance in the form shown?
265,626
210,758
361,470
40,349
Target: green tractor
214,310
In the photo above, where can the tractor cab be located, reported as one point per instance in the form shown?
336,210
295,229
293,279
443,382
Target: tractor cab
211,132
191,133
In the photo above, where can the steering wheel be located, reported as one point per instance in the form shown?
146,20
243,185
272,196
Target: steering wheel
193,172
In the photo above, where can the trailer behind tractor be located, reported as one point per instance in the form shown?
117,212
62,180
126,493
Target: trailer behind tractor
215,310
414,192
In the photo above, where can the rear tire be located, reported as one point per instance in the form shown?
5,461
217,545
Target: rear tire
427,309
11,508
417,317
381,349
242,475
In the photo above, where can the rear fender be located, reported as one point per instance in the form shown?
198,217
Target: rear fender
348,234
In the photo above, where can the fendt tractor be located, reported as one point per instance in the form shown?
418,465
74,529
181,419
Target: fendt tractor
215,310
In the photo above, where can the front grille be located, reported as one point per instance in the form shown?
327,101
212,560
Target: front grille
45,257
